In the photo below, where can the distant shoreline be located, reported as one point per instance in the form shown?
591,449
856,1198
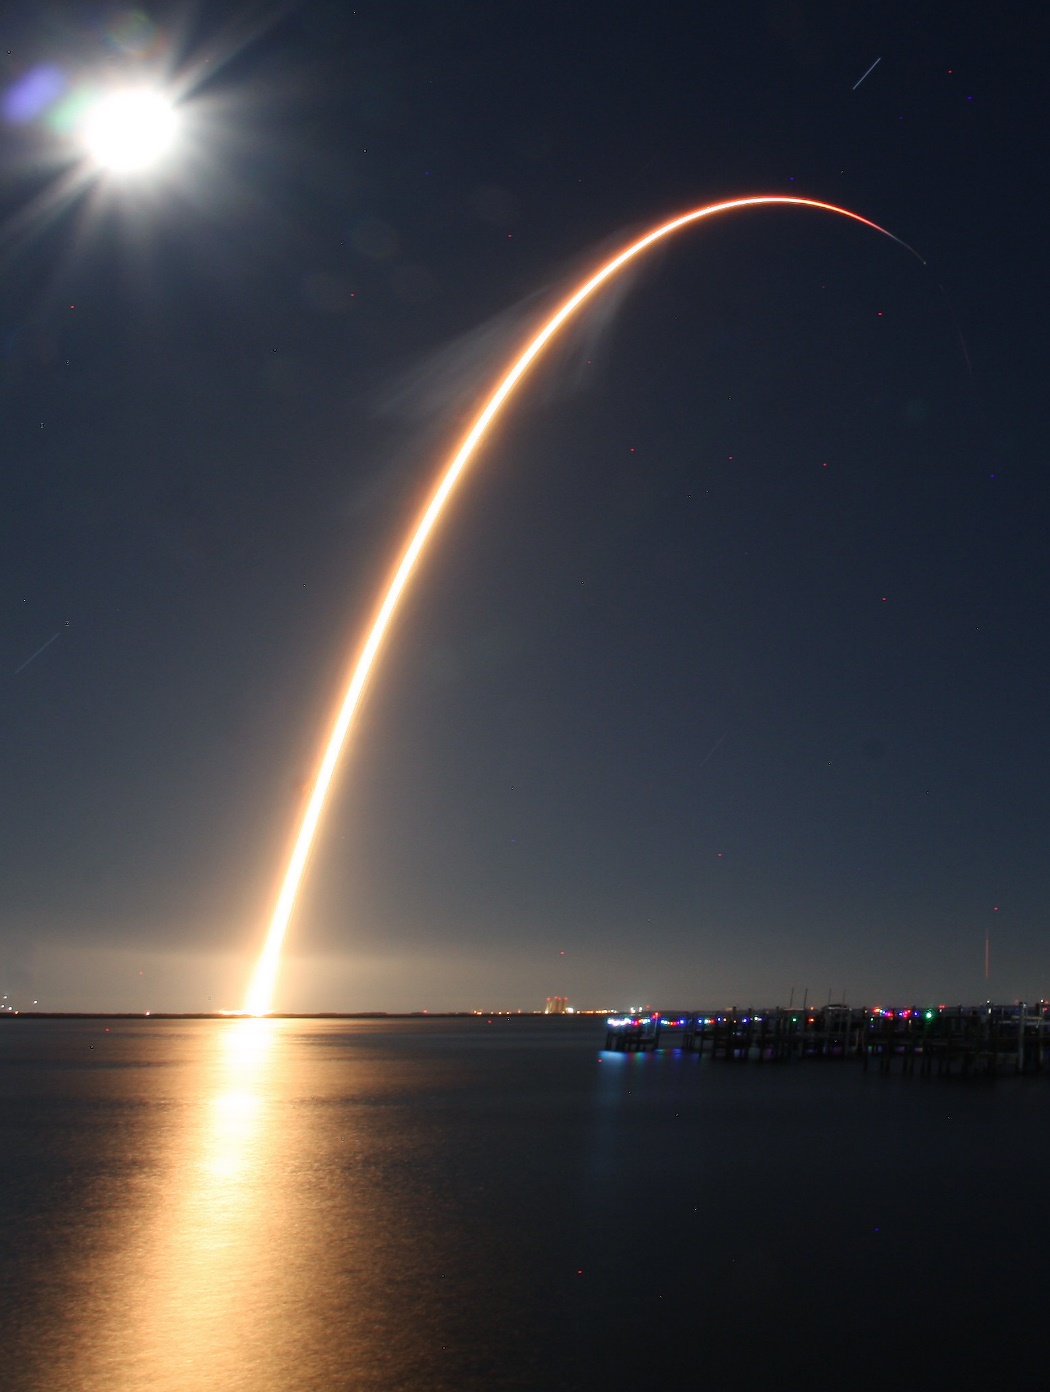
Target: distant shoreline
294,1015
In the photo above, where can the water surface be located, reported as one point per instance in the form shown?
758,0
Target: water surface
438,1204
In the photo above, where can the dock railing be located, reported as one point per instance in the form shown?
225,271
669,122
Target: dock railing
985,1039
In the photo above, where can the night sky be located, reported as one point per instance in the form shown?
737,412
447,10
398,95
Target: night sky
726,674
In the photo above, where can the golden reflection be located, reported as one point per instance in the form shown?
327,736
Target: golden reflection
266,1214
235,1110
196,1289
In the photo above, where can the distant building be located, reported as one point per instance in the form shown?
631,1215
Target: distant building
556,1005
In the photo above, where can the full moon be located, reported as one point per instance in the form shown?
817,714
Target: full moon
128,131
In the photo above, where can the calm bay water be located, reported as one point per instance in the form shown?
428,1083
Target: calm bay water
439,1204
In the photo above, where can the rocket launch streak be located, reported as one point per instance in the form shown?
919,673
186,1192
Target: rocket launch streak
261,989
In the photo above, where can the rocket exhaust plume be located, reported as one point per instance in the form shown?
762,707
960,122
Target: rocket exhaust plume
261,988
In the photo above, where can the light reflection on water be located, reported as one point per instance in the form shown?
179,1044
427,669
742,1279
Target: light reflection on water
178,1310
437,1205
184,1292
261,1223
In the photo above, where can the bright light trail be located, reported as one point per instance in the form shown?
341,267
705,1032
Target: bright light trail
260,992
867,74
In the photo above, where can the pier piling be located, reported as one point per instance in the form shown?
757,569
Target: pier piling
959,1040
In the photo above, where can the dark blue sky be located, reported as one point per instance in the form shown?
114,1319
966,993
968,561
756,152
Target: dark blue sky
726,674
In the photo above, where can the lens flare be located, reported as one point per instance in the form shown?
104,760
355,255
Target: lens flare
128,131
261,989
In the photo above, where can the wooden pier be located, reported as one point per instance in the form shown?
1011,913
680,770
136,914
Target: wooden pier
961,1040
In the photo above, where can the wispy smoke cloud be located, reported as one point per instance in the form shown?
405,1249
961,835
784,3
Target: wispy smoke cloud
450,379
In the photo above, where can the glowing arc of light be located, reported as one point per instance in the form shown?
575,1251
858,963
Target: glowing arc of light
260,991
